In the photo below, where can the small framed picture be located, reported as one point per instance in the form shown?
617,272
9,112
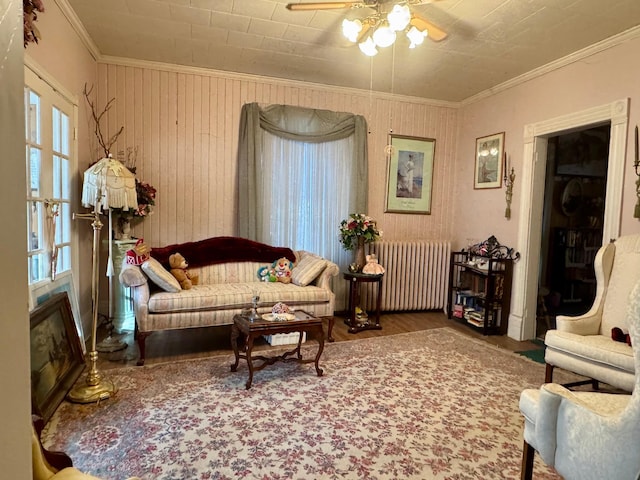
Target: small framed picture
410,175
489,161
56,354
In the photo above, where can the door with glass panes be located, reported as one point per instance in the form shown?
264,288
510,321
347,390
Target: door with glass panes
50,163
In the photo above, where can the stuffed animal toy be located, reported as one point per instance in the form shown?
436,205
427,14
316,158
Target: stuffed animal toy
372,267
617,335
267,274
282,269
179,270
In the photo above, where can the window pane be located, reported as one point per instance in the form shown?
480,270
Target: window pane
33,117
64,178
57,188
64,134
35,232
37,267
55,118
35,164
64,223
64,259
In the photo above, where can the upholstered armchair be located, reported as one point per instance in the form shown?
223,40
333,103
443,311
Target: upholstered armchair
586,435
583,344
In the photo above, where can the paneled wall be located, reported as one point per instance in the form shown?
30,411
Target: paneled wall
185,125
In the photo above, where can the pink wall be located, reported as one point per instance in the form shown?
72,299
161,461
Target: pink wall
185,123
597,80
62,55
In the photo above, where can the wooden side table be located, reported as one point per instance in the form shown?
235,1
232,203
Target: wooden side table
355,279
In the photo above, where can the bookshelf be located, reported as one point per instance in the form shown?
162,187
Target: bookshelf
479,293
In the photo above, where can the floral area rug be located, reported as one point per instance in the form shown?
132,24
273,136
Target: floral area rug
433,404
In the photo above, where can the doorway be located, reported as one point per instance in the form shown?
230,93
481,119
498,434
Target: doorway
522,317
572,220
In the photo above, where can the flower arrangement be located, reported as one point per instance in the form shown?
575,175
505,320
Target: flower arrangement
146,193
146,199
358,225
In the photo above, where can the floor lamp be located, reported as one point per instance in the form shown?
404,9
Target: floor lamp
107,184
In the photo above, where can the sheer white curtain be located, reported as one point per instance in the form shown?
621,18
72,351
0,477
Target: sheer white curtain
308,188
301,171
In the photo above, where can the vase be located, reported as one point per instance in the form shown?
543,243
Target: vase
123,228
359,259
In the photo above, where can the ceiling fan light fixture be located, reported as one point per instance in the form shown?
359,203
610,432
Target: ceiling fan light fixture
399,17
368,47
416,37
351,29
384,36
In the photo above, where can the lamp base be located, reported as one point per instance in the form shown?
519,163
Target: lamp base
84,393
110,344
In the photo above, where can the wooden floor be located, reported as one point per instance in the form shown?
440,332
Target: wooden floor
205,342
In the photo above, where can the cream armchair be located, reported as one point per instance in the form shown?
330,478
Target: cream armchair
583,344
586,435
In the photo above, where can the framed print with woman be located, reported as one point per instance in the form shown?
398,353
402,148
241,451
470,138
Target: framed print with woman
410,175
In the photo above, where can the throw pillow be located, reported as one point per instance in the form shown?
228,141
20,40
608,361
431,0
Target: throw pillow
160,276
307,270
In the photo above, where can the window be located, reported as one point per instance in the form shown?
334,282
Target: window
309,190
48,152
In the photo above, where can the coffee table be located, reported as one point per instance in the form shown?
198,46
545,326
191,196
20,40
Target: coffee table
303,322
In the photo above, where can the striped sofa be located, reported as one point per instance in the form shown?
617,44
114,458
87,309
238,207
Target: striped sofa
227,283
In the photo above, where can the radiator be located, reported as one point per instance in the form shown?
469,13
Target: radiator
416,276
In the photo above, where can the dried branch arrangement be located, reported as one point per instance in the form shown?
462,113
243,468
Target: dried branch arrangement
105,144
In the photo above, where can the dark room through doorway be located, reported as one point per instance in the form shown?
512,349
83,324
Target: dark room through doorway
572,223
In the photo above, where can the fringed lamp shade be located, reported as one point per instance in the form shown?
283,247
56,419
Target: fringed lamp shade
110,184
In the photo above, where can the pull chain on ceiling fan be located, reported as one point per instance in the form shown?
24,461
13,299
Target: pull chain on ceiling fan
383,24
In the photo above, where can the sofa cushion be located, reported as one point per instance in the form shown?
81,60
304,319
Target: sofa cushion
221,296
598,349
307,269
274,292
160,276
229,296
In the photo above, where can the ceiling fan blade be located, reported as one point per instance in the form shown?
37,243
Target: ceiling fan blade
435,33
324,5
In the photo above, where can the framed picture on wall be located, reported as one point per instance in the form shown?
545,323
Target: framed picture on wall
489,161
56,355
410,174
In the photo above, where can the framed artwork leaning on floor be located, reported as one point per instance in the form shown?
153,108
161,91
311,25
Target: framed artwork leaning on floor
56,354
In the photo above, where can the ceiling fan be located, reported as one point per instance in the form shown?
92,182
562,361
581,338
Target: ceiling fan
379,28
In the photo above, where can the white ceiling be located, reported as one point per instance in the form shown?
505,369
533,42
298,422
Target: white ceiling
489,42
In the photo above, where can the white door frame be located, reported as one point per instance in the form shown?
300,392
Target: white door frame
522,318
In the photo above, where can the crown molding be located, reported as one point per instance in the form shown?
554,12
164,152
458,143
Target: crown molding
605,44
78,27
209,72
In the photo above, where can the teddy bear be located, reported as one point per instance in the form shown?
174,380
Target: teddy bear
282,269
179,270
372,267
